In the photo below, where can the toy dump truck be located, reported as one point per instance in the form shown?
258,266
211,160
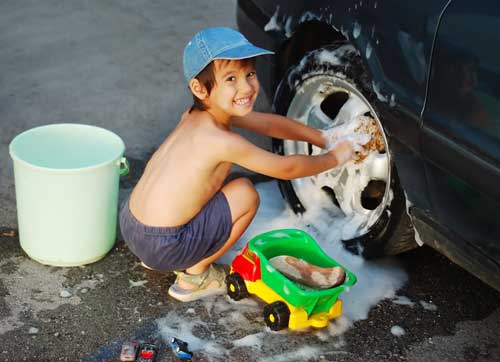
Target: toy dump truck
289,305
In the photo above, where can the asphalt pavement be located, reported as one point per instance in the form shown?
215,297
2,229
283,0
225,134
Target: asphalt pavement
117,64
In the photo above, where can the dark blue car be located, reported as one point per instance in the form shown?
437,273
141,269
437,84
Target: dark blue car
428,74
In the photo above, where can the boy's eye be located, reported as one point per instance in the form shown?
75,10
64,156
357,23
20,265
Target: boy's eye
231,78
251,74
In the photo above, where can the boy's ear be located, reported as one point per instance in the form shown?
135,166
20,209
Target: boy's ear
198,89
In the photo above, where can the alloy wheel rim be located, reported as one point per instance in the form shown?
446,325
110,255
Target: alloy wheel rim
358,193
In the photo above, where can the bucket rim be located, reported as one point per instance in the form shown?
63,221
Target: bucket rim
16,158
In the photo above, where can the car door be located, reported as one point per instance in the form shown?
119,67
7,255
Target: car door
461,129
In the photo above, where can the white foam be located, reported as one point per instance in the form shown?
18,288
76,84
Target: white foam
35,288
320,57
356,31
305,353
368,50
428,306
392,101
376,89
139,283
329,57
309,15
346,131
252,340
377,280
403,300
418,239
232,325
338,326
273,23
398,331
174,325
288,27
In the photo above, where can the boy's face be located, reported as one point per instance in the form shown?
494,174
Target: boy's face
235,90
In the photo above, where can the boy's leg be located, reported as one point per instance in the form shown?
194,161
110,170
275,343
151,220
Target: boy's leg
243,202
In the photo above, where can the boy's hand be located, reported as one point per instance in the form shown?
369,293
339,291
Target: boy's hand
343,151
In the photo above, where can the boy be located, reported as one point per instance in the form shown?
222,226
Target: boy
180,215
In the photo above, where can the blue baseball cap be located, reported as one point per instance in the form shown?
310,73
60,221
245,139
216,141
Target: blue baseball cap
216,43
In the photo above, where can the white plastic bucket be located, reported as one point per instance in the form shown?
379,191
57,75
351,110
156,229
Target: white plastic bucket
67,181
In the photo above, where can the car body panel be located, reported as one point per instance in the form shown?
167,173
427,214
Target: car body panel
448,167
461,133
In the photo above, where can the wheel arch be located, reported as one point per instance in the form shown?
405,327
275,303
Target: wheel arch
357,72
395,119
304,39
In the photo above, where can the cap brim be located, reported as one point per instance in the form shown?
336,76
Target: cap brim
243,52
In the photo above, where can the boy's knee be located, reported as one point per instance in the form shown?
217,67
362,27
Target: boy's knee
253,195
247,189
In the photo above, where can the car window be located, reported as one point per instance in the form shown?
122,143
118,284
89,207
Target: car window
465,83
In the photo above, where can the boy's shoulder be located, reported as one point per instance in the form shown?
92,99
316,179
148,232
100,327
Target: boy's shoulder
205,121
205,129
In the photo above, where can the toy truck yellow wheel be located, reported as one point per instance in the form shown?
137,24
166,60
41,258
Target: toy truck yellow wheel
277,315
236,287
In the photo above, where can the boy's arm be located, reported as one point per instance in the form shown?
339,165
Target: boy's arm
236,149
281,127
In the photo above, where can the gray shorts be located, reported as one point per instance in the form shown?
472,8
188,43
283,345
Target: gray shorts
179,247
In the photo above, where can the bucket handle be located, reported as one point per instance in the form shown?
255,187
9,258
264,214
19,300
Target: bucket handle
124,166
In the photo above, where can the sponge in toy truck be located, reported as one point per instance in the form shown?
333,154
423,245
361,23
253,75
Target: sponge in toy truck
289,304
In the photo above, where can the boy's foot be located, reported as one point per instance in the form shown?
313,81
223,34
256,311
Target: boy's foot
308,274
211,282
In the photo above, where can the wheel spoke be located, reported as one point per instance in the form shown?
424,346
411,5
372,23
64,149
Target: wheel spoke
351,109
318,119
378,168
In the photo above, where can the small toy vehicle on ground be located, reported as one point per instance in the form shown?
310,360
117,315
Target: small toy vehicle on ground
148,352
129,351
180,348
289,305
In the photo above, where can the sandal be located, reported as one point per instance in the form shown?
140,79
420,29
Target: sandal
145,266
215,273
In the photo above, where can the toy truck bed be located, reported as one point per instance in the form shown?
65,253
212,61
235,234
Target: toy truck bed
290,305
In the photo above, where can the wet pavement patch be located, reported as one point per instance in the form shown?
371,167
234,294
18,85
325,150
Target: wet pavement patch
111,350
104,309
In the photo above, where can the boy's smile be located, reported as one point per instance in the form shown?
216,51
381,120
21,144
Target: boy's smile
235,90
243,101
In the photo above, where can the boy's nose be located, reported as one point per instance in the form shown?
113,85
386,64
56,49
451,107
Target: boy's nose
246,86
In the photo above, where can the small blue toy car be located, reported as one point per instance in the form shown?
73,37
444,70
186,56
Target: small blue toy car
180,348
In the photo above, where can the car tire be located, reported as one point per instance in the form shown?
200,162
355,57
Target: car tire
236,287
320,85
277,315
